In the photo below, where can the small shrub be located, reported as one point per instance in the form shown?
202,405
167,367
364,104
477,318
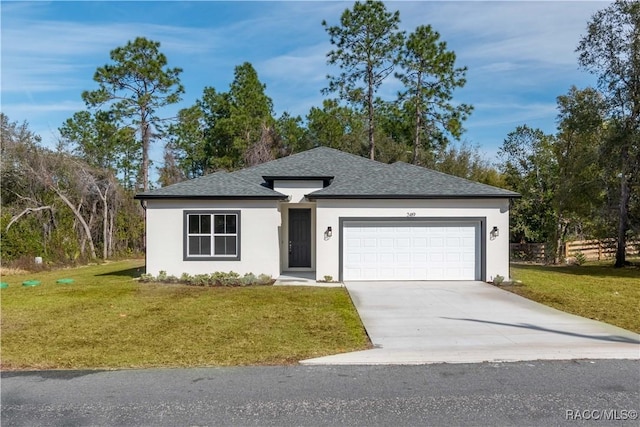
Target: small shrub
201,279
265,279
580,258
231,279
328,278
248,279
218,278
498,279
145,278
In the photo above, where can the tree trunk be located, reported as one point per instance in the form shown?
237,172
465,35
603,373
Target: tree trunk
416,142
93,214
104,197
105,225
623,213
558,249
372,144
111,227
146,138
80,219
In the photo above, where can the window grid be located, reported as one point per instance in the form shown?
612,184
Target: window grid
211,235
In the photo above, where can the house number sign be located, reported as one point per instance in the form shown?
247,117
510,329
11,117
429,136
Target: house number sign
410,214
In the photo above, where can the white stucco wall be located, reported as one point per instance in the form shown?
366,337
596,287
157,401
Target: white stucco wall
263,231
296,190
496,211
259,242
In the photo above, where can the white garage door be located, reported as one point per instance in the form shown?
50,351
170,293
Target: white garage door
411,251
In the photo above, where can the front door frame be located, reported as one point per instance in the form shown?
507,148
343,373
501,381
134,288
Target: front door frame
310,248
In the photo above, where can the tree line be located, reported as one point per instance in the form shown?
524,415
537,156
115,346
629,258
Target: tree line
59,206
83,189
583,180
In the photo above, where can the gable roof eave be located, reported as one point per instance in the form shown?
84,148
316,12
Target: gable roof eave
278,196
313,196
219,185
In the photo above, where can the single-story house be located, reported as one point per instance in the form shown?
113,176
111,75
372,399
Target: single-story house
341,216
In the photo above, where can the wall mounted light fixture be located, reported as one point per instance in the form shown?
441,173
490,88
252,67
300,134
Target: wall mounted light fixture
495,232
328,233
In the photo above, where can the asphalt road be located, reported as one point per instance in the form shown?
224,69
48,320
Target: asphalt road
546,393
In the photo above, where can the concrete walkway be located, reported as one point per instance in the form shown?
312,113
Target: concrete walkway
303,278
471,322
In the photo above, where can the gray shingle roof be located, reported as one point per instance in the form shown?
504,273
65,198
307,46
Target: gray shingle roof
353,177
219,185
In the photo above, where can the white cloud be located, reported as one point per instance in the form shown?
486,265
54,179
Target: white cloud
39,108
505,113
499,67
298,66
544,32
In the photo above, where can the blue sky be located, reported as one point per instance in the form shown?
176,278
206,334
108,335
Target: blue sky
520,55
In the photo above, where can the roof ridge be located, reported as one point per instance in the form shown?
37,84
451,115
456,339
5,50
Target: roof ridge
308,152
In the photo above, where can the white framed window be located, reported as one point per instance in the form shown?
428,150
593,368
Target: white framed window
212,235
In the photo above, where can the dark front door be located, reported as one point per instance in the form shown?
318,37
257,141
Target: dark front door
299,238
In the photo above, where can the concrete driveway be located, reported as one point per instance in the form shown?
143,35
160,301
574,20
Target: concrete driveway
470,322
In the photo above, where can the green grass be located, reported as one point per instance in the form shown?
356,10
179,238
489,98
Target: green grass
595,291
105,319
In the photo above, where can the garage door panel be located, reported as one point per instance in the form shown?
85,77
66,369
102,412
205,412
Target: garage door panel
435,257
385,242
436,242
402,273
369,258
352,272
468,257
419,257
453,242
369,274
453,257
402,242
385,271
435,274
469,241
403,259
467,272
369,243
386,258
419,272
427,251
353,242
353,259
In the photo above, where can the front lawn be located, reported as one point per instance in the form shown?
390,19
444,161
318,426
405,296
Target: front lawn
106,319
595,291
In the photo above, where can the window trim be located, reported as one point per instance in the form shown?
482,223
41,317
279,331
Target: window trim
212,257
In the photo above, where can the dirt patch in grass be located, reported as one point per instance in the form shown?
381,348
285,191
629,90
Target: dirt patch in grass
596,291
106,319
